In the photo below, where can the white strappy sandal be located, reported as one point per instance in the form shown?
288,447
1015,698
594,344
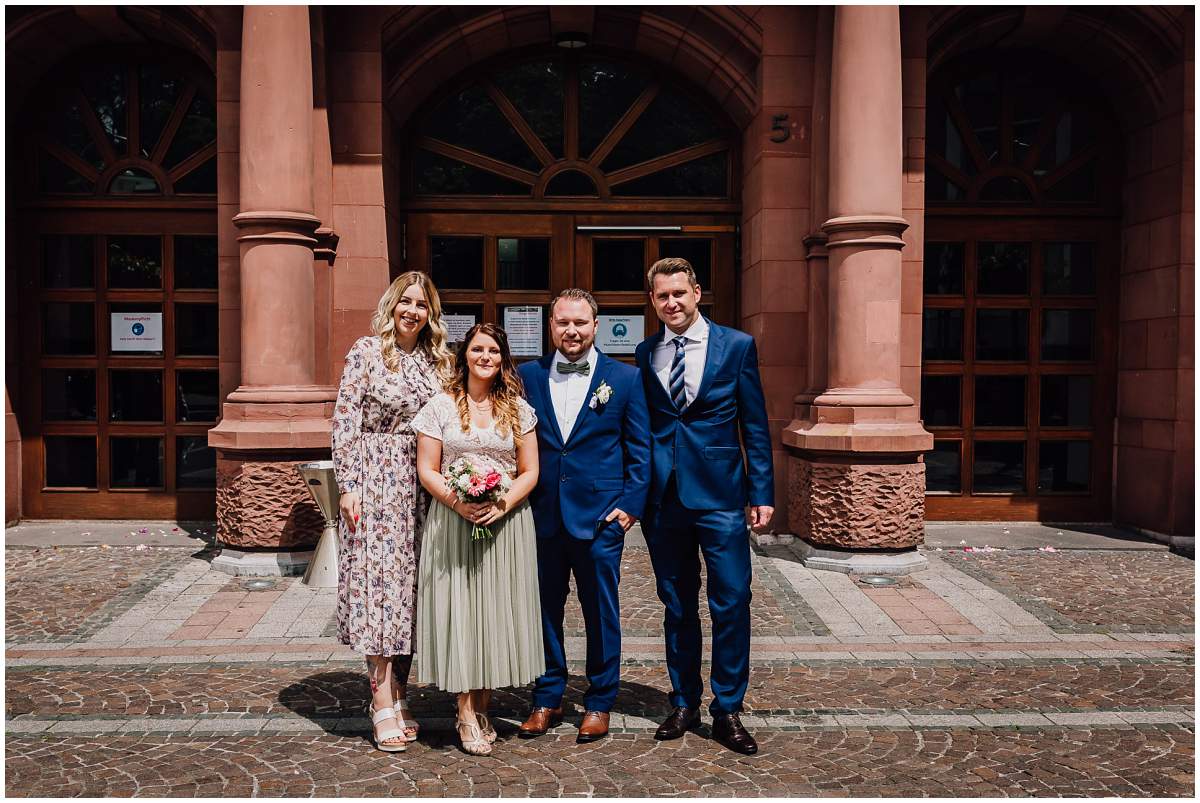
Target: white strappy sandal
404,716
390,734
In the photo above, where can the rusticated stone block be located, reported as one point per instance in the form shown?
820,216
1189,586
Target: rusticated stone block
264,503
857,506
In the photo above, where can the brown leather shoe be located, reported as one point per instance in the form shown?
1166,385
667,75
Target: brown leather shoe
540,720
593,728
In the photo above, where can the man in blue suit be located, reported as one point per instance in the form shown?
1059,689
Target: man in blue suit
706,405
594,456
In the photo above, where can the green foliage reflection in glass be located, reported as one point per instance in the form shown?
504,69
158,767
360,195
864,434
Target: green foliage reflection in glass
165,142
134,261
509,134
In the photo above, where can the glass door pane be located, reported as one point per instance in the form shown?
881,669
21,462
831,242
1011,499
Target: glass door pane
619,264
523,263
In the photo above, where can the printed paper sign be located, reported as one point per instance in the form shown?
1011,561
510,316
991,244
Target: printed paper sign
620,334
137,331
524,328
457,326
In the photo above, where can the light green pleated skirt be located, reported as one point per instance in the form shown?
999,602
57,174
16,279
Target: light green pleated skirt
479,621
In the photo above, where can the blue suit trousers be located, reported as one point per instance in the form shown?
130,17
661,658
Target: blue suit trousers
677,537
596,565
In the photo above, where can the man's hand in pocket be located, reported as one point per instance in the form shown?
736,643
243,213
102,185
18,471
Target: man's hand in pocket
624,518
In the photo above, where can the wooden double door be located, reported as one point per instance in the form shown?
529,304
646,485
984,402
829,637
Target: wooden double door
500,267
118,363
1018,380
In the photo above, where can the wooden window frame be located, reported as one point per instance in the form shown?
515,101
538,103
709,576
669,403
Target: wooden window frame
591,166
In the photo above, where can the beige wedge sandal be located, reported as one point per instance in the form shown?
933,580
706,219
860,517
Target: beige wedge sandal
473,741
485,725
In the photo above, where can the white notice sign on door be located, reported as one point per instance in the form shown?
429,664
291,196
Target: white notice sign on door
137,331
620,334
457,326
523,325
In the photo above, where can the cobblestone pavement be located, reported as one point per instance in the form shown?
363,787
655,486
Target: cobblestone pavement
1095,591
143,672
927,762
63,593
338,688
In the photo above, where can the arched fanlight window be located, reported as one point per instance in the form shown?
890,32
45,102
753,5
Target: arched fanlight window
1017,132
132,130
566,128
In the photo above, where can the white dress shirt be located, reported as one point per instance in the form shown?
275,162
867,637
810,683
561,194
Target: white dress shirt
695,351
568,392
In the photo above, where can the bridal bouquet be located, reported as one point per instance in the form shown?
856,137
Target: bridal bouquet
475,484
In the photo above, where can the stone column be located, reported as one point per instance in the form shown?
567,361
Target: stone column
815,242
279,414
857,471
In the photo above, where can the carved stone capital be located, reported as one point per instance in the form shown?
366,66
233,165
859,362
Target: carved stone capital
879,231
298,228
327,243
816,246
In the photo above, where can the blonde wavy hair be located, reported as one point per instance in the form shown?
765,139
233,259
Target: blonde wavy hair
507,388
432,337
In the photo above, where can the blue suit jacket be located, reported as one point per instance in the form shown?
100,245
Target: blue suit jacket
701,444
603,464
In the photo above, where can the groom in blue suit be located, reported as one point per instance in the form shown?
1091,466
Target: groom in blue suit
594,455
706,406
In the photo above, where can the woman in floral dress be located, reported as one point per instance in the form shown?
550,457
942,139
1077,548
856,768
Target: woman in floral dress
387,379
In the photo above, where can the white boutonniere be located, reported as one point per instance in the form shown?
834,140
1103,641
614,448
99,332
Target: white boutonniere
601,396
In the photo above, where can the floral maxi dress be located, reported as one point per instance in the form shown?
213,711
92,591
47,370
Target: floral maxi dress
375,453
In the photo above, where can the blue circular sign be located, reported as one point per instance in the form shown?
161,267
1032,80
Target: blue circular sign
620,330
138,329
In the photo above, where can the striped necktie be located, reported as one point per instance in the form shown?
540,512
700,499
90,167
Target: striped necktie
676,382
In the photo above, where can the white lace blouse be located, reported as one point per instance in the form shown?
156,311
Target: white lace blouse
439,419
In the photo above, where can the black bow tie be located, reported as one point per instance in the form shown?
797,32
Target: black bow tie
575,368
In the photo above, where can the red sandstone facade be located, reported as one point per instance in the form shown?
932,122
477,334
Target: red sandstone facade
1042,369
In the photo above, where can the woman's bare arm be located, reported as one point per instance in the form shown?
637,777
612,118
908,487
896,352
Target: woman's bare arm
429,469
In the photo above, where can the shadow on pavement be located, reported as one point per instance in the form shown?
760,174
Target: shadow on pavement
328,699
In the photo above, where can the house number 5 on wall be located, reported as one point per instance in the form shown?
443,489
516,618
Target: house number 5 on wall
780,131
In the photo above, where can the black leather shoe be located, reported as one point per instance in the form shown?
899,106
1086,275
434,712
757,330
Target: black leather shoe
681,721
728,730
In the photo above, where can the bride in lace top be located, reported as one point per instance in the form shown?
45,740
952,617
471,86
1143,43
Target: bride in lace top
478,610
484,445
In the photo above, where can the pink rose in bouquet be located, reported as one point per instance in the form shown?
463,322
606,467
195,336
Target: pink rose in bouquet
474,484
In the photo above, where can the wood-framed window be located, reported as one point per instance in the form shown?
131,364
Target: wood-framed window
592,132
